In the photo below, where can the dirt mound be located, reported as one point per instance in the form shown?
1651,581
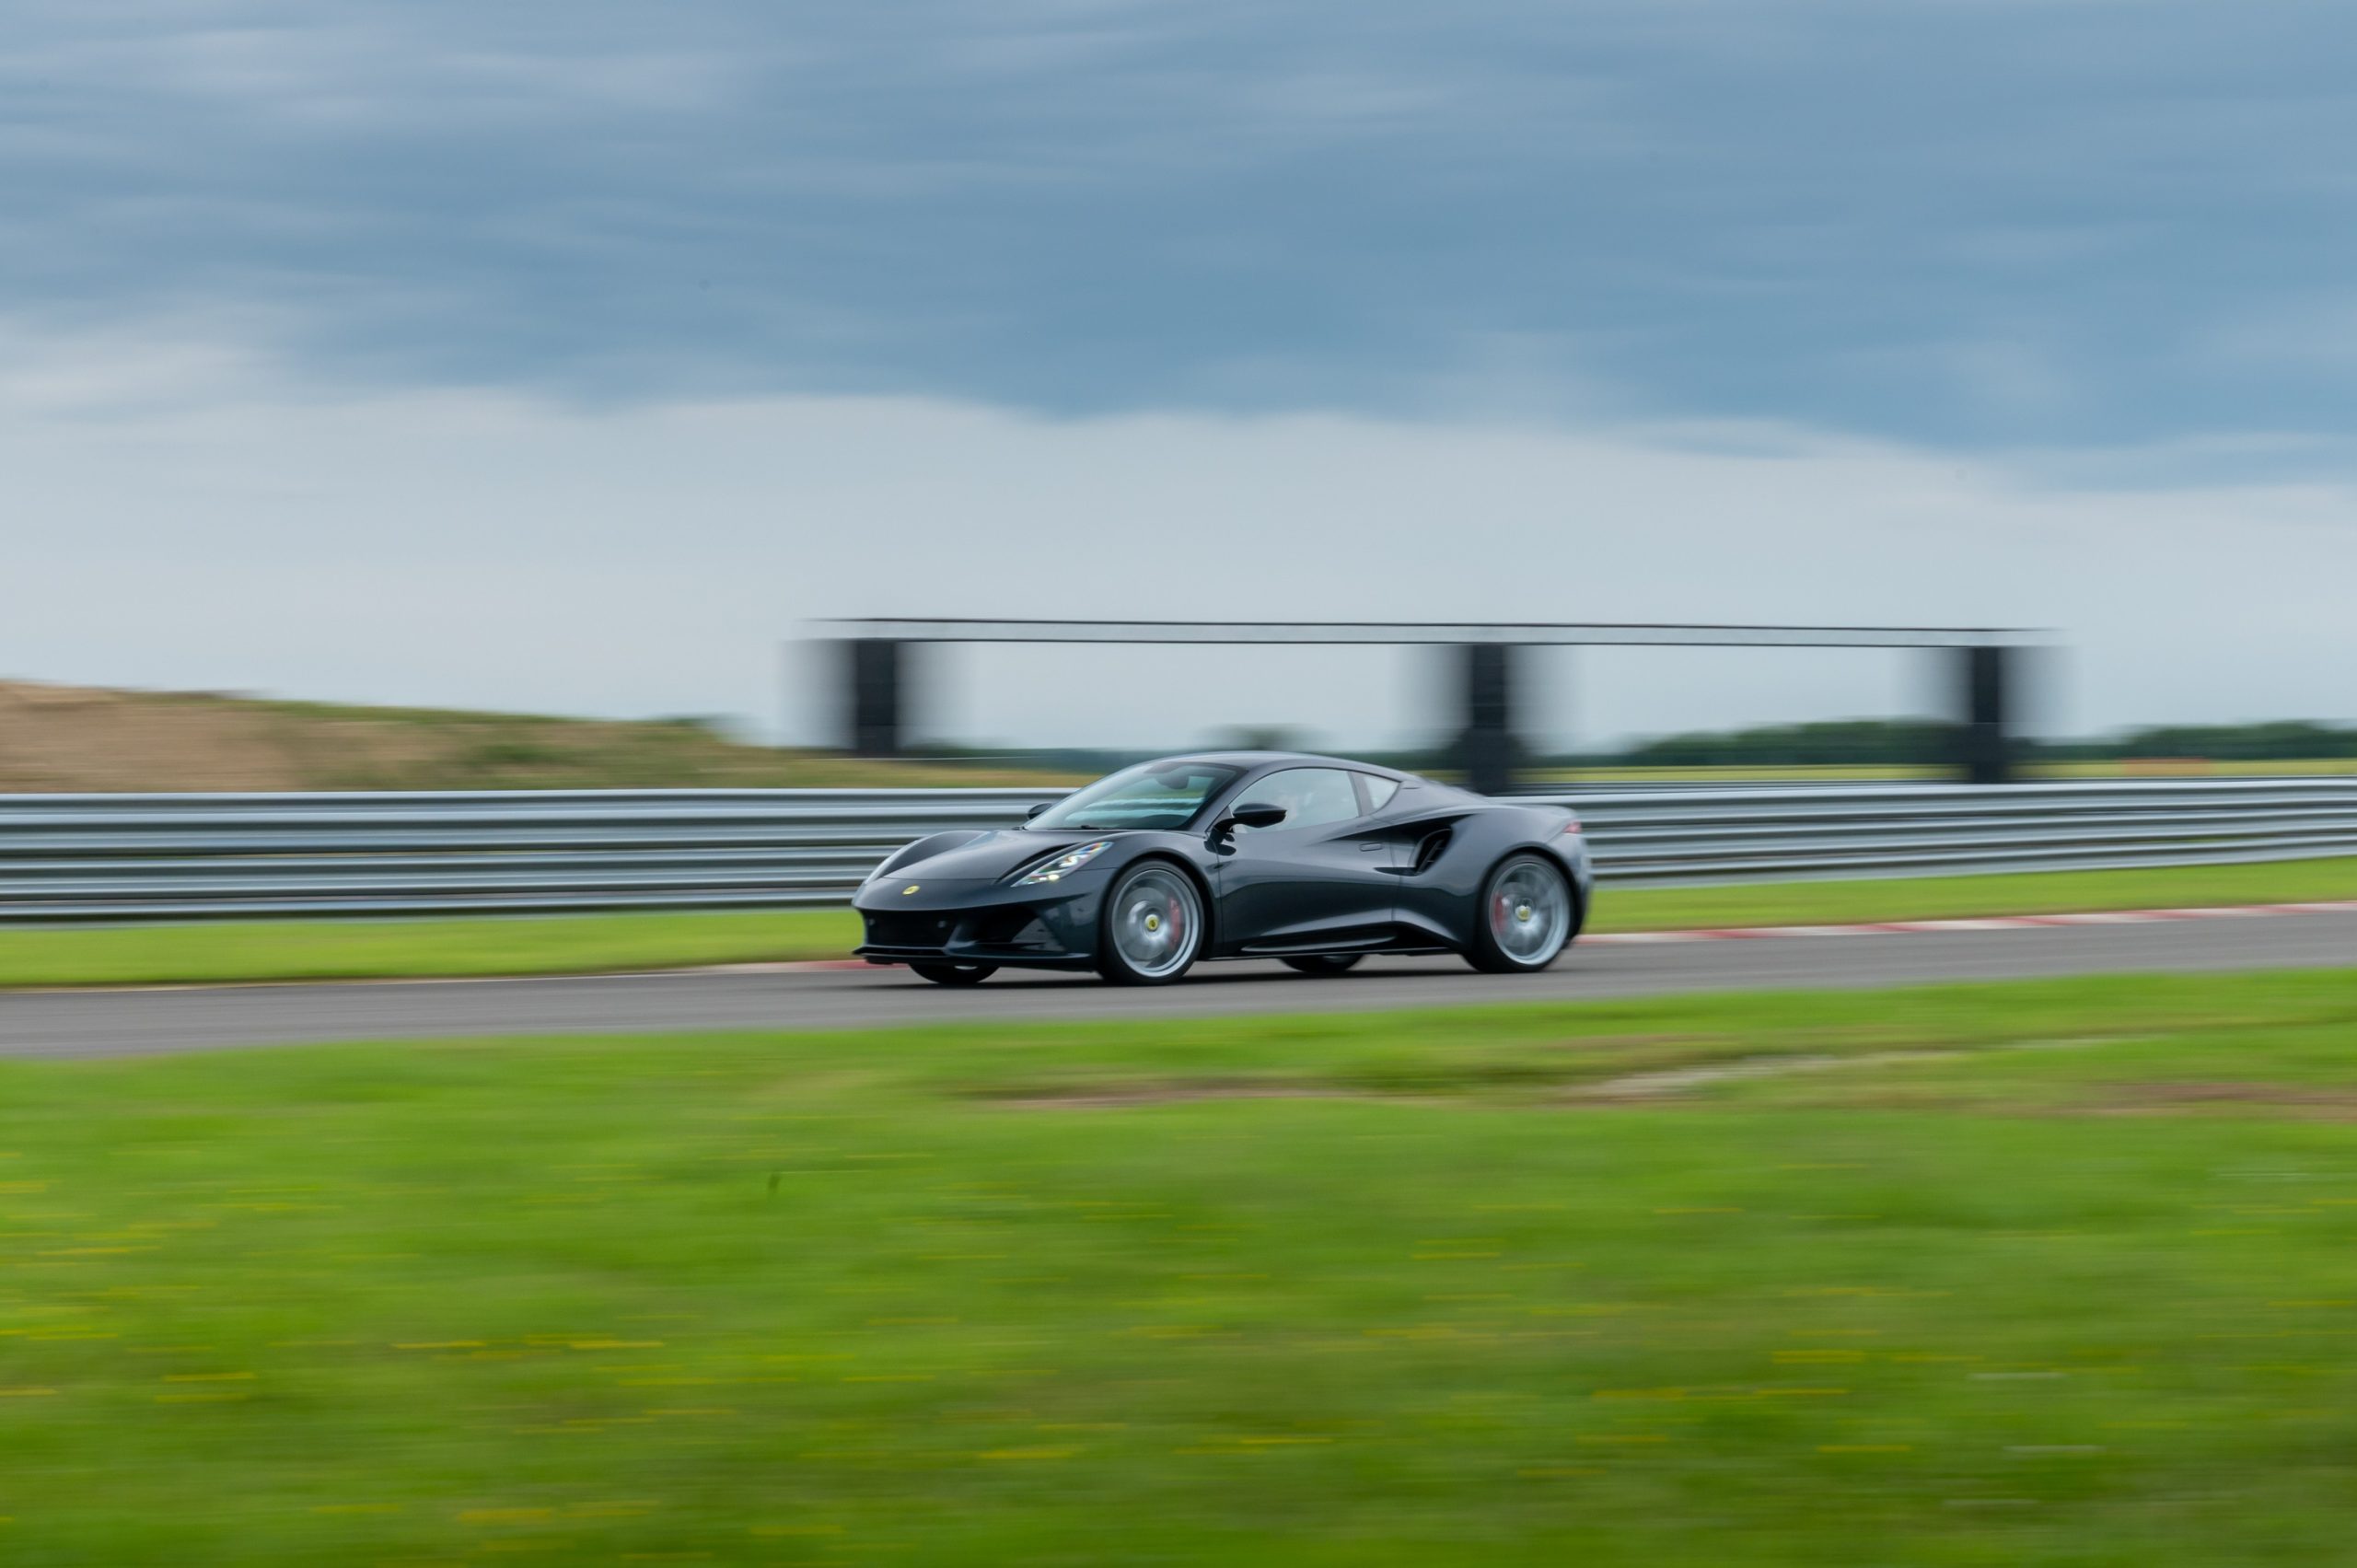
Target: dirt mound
68,739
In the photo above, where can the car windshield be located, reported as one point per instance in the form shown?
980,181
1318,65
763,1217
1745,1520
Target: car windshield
1152,794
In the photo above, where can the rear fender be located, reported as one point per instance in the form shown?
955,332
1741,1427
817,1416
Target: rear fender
1443,902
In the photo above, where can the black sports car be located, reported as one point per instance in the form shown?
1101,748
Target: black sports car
1242,854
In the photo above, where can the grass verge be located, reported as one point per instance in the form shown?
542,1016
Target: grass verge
388,949
2058,1271
1604,775
293,950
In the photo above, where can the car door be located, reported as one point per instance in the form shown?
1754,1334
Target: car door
1317,879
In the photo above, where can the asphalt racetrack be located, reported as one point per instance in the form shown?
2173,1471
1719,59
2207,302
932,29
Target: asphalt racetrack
148,1021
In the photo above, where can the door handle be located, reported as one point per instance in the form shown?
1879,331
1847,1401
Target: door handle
1371,848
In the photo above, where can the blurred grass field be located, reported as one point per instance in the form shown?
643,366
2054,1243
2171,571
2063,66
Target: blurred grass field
298,950
1605,775
2052,1272
69,738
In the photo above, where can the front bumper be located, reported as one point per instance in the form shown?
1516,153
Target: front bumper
973,922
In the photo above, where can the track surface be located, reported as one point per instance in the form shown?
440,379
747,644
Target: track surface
121,1023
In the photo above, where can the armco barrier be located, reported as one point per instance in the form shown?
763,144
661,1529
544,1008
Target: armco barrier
128,857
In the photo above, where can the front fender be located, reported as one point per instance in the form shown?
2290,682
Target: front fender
1183,851
925,848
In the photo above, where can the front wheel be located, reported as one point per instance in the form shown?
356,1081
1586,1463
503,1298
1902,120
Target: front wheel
955,974
1152,927
1324,963
1525,919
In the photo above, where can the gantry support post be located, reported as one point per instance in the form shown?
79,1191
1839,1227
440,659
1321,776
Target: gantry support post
1486,744
1985,749
874,710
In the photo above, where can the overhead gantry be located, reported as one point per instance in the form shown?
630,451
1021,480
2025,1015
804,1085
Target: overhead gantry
872,659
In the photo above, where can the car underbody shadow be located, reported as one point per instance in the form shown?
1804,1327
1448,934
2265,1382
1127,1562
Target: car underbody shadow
1220,972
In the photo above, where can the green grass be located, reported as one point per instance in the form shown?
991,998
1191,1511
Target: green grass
2054,1273
289,950
1941,897
326,949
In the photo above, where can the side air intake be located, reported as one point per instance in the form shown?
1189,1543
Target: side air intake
1429,850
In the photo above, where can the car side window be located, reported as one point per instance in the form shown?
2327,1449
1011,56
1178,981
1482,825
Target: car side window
1378,791
1310,796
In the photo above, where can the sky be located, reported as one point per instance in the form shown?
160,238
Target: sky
575,358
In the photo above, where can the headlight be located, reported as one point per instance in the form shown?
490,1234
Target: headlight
1063,864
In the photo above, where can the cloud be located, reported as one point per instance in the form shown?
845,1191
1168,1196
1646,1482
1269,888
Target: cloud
414,350
1962,224
259,528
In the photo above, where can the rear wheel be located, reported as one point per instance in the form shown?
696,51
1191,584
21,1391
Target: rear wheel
1324,963
1524,918
1152,927
956,975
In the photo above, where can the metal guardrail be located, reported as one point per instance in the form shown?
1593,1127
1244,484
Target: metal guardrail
136,857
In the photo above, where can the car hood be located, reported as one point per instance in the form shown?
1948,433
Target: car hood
989,856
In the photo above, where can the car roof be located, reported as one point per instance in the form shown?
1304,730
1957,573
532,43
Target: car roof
1250,760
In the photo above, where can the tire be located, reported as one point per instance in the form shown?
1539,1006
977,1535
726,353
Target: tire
1325,964
1152,927
1526,918
943,973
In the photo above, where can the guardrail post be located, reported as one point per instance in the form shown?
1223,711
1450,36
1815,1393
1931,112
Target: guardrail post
873,708
1485,745
1984,740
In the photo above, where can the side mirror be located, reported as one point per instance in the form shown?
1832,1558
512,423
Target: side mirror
1256,814
1037,810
